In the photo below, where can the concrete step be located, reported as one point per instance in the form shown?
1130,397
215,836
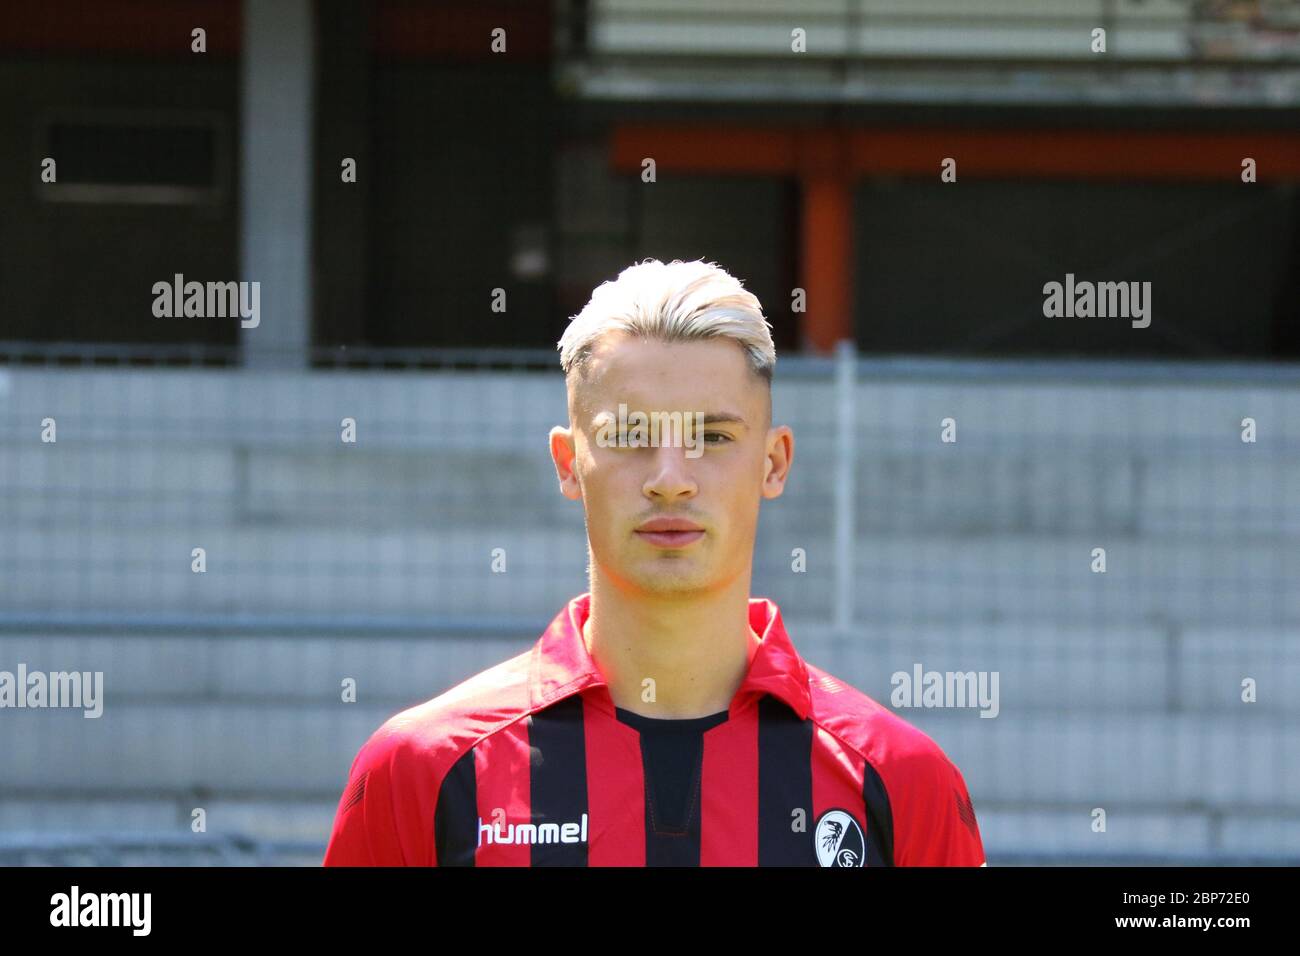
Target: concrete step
1063,669
133,484
263,749
273,670
1208,760
224,815
1043,668
266,568
1137,831
1005,830
906,578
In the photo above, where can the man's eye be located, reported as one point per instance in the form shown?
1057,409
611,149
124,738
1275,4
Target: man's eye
624,440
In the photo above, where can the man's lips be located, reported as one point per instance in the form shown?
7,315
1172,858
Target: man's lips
670,532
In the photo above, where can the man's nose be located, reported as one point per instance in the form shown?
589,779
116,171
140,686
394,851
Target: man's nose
671,475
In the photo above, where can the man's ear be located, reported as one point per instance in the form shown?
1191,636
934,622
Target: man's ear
780,455
564,455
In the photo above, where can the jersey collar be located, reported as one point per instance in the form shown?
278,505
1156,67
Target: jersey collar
562,665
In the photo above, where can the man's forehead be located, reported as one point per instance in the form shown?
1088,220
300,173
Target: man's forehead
652,374
624,360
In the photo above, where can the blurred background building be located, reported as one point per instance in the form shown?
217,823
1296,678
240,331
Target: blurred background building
501,176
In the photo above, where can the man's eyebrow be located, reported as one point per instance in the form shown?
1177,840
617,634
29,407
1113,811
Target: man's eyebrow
711,418
714,418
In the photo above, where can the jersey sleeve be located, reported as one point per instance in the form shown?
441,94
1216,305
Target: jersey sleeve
936,823
384,818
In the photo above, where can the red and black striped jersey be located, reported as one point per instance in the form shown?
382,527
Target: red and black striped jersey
529,763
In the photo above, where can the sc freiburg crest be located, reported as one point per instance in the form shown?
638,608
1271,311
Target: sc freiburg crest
839,839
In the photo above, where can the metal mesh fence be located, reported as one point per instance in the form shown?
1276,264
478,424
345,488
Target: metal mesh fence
1117,541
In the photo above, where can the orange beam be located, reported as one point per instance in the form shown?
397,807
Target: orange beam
704,149
827,162
460,30
826,239
1084,154
1089,154
113,27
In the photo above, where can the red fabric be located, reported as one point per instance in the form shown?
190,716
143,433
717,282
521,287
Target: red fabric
386,814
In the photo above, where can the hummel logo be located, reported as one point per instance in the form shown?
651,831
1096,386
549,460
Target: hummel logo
533,832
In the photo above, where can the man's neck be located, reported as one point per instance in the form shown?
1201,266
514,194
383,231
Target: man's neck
695,651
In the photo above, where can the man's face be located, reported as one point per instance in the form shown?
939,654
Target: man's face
712,478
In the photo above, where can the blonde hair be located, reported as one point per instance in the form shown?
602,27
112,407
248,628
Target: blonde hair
675,302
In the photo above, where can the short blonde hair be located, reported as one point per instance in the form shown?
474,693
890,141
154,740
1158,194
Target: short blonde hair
676,302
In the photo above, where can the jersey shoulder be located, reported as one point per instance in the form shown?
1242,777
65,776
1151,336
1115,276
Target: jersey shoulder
892,745
915,786
431,736
386,816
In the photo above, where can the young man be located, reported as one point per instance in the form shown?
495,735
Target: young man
664,717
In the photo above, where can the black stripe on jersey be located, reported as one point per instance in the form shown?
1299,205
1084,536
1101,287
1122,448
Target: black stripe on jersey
356,792
784,785
880,818
558,778
967,813
669,842
455,821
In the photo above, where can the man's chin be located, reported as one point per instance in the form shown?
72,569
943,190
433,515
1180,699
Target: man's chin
669,580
